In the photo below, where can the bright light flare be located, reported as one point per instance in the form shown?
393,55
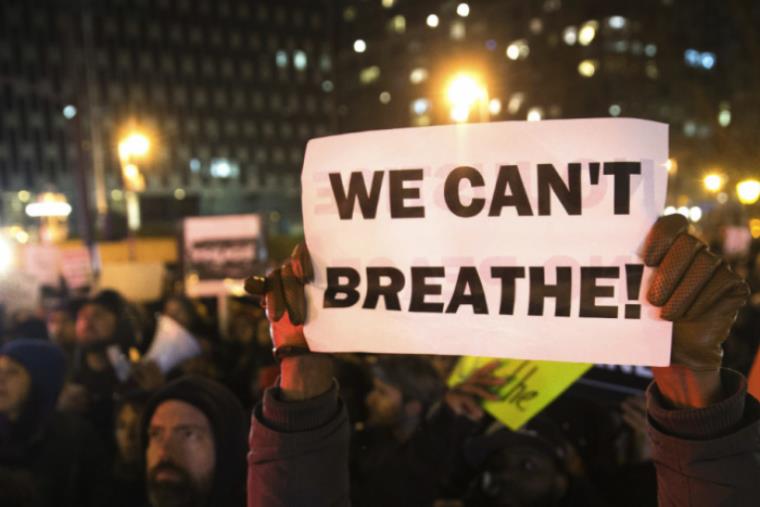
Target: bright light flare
587,32
535,114
494,106
134,145
587,68
48,209
713,182
463,92
748,191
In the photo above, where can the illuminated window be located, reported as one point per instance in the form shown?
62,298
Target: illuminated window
420,106
458,31
397,24
299,60
418,75
369,74
587,68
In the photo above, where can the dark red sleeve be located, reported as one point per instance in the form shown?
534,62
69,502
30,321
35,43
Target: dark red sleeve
709,456
299,452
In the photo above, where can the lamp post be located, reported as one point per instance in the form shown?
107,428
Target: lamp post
134,147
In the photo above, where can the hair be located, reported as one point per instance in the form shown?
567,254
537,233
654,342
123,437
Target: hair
414,376
196,321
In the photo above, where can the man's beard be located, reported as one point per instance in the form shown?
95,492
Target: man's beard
180,492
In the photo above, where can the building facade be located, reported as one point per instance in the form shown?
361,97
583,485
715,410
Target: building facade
692,65
227,91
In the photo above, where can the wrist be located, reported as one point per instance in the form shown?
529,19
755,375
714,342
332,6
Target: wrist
303,377
684,387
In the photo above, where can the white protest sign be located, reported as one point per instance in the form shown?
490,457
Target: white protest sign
514,239
172,344
219,248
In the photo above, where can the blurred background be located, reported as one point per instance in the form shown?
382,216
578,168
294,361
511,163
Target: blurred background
119,118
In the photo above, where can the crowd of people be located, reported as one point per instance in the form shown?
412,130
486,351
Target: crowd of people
86,419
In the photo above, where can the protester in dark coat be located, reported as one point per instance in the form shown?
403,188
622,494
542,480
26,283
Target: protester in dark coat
105,329
194,432
406,453
59,452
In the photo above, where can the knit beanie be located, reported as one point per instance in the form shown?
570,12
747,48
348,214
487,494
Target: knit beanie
46,365
229,424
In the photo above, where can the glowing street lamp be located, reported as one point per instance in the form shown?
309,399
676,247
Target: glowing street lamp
132,148
713,182
748,191
135,144
463,92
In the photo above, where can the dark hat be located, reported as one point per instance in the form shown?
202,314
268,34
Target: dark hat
229,424
111,300
46,365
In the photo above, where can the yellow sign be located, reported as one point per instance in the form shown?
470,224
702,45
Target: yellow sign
529,386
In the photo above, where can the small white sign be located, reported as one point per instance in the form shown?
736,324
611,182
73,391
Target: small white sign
172,344
220,248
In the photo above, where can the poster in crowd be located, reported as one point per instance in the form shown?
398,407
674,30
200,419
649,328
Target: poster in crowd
219,248
512,239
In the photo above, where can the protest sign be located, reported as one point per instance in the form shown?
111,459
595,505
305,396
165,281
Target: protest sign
513,239
528,388
136,281
43,262
172,344
220,248
76,267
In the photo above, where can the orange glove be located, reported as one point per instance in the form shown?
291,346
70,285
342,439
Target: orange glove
285,298
696,290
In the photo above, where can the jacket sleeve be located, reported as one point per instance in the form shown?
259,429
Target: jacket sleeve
710,456
299,452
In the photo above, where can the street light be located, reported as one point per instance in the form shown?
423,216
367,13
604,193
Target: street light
133,147
135,144
713,182
748,191
463,92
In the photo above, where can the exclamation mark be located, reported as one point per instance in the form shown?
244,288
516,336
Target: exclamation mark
633,274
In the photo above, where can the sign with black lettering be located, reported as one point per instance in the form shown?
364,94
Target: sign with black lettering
513,239
219,248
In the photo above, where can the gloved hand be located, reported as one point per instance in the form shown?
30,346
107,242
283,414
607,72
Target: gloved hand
695,289
285,299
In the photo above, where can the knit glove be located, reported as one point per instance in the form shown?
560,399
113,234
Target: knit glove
696,290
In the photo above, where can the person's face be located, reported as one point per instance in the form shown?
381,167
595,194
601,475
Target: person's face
522,476
385,404
127,433
61,327
180,455
15,384
175,310
94,324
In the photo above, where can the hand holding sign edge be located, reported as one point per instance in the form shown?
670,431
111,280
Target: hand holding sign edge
301,376
702,296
